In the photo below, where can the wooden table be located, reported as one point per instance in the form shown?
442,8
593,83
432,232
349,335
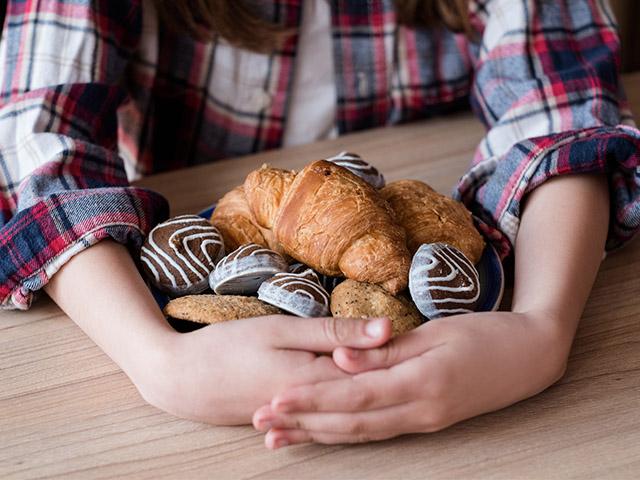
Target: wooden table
66,410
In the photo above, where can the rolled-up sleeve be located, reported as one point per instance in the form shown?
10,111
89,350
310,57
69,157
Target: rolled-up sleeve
546,85
63,186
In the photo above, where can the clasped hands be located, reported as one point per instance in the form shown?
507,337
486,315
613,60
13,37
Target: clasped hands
443,372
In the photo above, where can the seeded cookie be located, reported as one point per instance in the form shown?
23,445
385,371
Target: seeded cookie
217,308
356,299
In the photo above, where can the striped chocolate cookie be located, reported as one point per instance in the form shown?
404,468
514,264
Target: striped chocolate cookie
442,281
297,293
329,283
178,255
243,270
354,163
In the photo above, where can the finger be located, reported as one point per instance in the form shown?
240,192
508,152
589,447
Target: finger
401,348
359,427
277,438
367,391
319,369
326,334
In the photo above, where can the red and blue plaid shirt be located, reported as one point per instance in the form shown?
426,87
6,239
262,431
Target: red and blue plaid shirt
94,93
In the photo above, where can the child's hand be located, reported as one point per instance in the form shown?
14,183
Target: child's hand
443,372
220,374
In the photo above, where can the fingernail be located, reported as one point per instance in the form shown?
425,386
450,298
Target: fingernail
374,328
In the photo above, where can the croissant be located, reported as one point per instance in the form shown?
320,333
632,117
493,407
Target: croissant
333,221
264,189
429,217
235,221
237,224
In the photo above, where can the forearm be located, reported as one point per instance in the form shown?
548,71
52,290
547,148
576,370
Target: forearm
101,290
558,250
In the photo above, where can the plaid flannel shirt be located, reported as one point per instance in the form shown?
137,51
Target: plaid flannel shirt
94,94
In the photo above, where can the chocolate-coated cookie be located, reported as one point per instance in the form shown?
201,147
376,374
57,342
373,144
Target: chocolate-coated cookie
297,293
178,255
356,165
243,270
442,281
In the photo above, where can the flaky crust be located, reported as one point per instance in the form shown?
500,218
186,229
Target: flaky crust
336,223
265,188
429,217
235,221
353,299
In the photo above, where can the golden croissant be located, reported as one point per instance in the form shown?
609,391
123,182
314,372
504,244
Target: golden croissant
237,223
429,217
333,221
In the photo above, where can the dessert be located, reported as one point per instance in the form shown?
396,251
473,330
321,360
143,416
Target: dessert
355,164
429,217
217,308
243,270
353,299
442,281
297,293
179,254
336,223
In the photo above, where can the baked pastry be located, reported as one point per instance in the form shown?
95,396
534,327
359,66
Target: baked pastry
429,217
235,221
217,308
243,270
354,163
178,255
265,188
334,222
443,281
297,293
353,299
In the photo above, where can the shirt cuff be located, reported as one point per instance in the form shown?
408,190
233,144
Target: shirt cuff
39,239
494,188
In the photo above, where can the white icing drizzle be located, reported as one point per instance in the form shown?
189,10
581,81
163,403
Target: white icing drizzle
422,285
358,166
166,271
283,280
242,265
163,259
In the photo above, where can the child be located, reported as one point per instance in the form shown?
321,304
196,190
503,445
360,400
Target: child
97,93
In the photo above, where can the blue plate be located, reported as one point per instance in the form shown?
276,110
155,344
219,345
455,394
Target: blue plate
489,269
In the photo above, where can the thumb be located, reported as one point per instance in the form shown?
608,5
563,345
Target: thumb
328,333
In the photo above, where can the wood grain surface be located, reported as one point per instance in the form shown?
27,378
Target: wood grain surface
67,411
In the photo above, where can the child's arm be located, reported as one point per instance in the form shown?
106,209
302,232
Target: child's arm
217,374
458,367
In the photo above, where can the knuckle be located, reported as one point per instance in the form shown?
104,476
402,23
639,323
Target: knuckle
333,330
362,399
356,428
390,354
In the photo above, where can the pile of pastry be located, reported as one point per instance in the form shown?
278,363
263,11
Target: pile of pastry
332,239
